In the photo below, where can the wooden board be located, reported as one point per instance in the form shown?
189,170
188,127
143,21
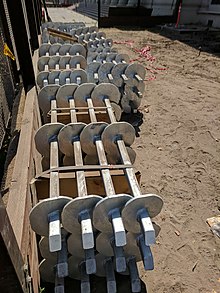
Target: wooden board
94,184
21,196
102,116
18,195
10,245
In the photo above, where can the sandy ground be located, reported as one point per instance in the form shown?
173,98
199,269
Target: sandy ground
178,154
68,15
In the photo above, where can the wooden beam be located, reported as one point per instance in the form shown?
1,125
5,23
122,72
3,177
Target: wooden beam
11,260
19,194
22,194
61,35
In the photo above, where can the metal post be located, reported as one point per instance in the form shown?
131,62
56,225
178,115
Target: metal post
31,16
39,9
99,12
37,15
46,11
16,14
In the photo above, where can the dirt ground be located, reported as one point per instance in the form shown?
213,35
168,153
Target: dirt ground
178,154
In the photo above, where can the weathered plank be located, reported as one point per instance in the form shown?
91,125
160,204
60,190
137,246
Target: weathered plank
10,248
18,194
21,194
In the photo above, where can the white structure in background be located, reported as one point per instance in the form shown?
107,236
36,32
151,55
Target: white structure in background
160,7
205,12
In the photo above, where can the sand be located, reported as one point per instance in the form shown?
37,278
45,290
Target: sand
178,154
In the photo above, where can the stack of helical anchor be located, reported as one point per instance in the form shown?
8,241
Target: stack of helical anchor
115,68
103,63
90,37
62,26
90,233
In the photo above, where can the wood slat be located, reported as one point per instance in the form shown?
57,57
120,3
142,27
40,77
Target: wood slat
22,194
9,248
68,186
17,200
